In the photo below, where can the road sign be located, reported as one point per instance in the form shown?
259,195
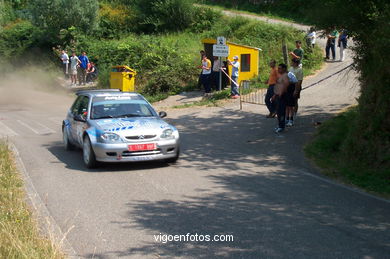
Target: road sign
220,50
221,41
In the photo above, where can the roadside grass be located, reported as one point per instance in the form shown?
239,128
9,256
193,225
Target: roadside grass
327,150
19,234
243,10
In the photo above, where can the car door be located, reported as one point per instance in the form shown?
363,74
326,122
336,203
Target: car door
79,123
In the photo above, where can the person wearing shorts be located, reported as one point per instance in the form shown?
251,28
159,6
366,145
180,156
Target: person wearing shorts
290,99
74,63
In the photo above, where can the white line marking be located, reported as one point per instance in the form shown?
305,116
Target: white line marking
6,131
49,130
28,126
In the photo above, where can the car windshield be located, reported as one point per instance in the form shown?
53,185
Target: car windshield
120,107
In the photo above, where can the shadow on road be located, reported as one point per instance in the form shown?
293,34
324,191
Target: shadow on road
271,208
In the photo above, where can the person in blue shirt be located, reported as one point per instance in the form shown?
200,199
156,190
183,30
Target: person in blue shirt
83,67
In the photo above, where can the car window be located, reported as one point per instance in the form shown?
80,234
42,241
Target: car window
76,105
107,108
83,107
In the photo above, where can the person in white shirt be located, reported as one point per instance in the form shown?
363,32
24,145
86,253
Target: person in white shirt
311,37
235,73
74,62
65,62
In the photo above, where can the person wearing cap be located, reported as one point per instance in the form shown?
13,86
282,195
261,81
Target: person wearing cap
235,72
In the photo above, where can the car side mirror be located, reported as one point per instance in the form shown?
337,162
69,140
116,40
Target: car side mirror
79,117
162,114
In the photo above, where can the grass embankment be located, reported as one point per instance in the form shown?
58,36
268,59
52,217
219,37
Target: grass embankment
287,10
19,235
329,150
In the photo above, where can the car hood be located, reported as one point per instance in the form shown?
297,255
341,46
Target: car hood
132,126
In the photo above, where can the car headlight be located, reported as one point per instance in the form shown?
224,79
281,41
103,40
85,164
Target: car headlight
168,133
110,138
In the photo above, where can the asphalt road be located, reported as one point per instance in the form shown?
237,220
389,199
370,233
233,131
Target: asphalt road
235,177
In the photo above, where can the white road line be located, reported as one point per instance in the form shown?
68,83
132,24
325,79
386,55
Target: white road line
48,130
6,131
28,126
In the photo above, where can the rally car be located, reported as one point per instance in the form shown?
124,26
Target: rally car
115,126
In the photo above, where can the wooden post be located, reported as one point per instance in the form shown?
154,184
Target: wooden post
285,52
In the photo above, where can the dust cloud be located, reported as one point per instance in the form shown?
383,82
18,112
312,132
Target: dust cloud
31,88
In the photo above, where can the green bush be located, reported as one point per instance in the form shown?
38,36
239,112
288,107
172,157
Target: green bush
16,38
164,15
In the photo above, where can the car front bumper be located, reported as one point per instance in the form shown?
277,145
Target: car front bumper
119,152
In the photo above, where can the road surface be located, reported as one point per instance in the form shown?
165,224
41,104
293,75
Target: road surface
235,177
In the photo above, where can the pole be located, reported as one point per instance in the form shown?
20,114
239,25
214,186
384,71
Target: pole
220,73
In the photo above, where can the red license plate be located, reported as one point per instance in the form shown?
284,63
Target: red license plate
143,147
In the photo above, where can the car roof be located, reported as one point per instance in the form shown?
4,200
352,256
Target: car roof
106,92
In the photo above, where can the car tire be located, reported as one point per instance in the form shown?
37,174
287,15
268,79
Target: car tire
67,144
174,159
89,157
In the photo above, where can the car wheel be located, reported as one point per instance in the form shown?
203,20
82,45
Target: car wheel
68,146
173,159
88,154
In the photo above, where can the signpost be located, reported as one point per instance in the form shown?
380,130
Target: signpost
220,50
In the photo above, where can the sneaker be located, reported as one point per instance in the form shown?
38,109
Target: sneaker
235,96
278,130
289,123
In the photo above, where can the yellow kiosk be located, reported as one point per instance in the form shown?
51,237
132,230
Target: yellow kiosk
248,57
123,78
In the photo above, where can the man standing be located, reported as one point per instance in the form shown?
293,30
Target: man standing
343,43
65,62
291,93
215,74
84,61
298,72
298,52
235,73
205,76
280,96
331,43
273,76
74,63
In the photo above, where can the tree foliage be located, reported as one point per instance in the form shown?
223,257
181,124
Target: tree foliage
55,15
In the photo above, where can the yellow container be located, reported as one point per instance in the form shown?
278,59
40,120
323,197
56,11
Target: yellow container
123,78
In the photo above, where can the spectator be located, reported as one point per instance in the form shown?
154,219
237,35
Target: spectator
215,73
82,71
273,76
295,76
298,52
206,72
330,44
92,73
65,62
343,43
202,53
311,37
74,63
280,96
235,73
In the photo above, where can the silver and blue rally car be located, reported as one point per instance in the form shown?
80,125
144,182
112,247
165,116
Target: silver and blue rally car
115,126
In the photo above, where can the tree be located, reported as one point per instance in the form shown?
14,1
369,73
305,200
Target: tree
55,15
